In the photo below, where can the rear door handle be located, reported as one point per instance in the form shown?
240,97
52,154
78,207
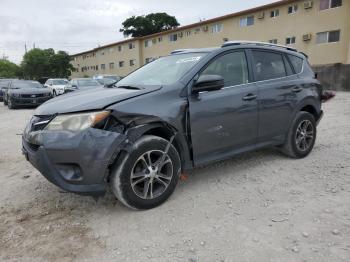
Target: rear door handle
297,89
249,97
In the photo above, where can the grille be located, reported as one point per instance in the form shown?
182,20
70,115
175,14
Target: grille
32,95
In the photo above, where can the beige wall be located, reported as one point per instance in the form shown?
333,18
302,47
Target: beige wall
285,25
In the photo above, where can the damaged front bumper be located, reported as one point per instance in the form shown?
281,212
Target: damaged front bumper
75,162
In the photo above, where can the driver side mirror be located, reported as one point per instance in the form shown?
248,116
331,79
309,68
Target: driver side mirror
208,83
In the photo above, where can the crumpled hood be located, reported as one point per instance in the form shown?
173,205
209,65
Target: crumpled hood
93,99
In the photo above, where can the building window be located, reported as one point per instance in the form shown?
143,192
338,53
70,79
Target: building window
120,48
103,66
217,28
327,4
292,9
160,39
275,13
148,43
188,33
328,37
121,64
131,45
197,31
173,38
96,67
290,40
246,21
273,41
132,62
111,65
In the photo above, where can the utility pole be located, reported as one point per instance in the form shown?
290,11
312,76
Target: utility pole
25,47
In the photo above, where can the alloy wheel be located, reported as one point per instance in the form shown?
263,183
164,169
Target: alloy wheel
151,175
305,135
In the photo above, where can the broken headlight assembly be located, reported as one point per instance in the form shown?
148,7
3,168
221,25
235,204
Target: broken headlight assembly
77,122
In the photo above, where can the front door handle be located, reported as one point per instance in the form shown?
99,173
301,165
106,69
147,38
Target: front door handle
297,89
249,97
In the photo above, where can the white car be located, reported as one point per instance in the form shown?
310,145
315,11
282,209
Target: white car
56,85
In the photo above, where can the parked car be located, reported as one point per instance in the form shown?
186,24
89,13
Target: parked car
81,84
56,85
107,80
26,93
179,112
4,83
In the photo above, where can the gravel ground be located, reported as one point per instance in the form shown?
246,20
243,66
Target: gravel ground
260,206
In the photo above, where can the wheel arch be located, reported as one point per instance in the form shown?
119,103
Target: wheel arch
166,131
310,105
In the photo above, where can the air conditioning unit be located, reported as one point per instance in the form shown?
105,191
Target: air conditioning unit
261,15
308,4
180,34
205,28
307,37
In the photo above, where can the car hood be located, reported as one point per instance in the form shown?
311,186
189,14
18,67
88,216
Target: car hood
93,99
31,91
58,86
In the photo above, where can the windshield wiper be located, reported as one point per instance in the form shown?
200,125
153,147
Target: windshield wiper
129,87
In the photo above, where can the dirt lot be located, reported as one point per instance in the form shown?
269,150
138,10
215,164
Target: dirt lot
259,206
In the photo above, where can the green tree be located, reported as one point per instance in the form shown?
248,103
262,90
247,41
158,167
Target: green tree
39,63
137,26
8,69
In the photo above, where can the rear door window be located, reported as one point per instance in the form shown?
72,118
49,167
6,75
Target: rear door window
297,63
268,65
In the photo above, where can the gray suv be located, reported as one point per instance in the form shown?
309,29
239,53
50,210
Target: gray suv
181,111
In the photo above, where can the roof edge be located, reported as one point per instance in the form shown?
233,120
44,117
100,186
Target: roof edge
205,22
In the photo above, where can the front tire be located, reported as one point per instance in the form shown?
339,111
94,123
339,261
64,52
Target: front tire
148,175
10,104
301,137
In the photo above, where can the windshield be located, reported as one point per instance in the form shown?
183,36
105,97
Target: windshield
106,81
59,82
27,84
163,71
87,82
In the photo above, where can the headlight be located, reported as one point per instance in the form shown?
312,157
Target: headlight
76,122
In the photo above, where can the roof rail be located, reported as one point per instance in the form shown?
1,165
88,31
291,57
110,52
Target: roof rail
233,43
180,51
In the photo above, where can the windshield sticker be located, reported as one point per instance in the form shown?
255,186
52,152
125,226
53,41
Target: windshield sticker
187,60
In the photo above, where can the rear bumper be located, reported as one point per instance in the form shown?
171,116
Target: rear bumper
74,162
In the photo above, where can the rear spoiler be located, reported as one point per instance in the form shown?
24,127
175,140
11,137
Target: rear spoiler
327,95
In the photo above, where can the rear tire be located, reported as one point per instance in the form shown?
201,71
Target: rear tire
301,136
140,181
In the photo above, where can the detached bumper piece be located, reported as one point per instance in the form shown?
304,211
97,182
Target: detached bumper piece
74,162
327,95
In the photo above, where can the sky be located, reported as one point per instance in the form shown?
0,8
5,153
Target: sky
79,25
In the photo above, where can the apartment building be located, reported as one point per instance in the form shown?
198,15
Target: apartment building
319,28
